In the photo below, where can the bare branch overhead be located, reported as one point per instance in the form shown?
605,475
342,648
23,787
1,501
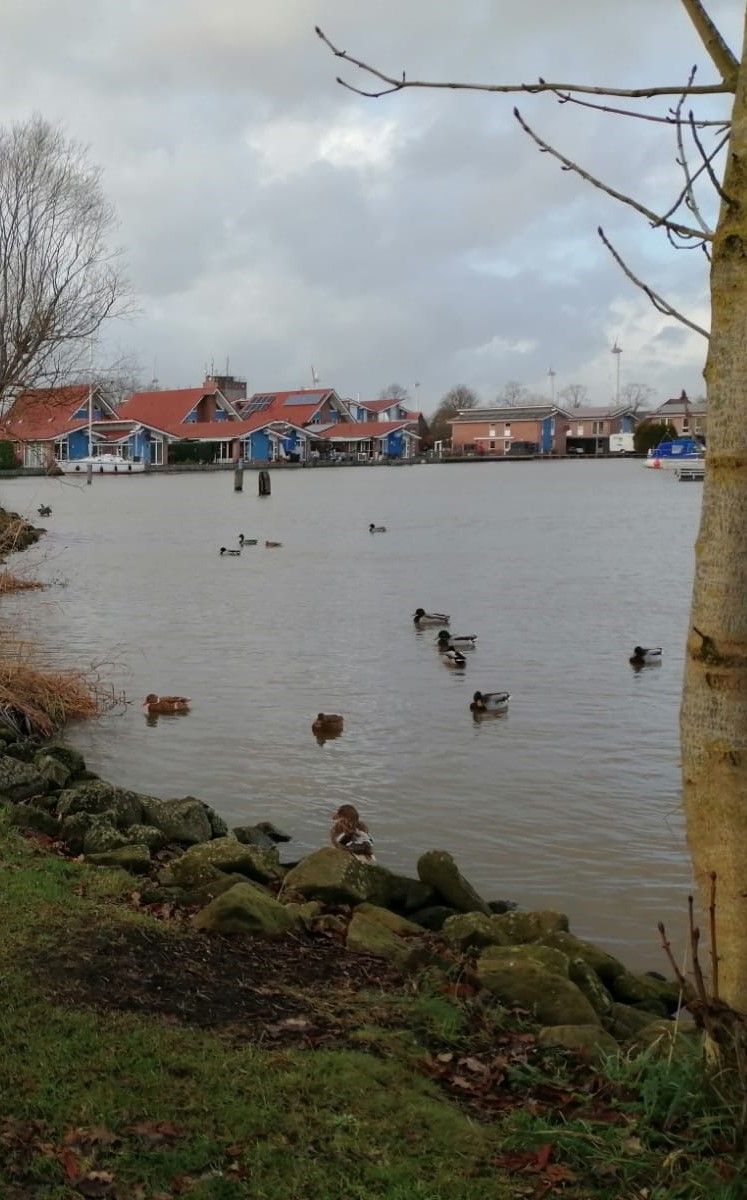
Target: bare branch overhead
683,231
659,303
688,194
400,83
663,119
723,59
706,165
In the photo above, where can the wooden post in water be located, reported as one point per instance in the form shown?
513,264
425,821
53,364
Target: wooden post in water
89,473
264,483
238,476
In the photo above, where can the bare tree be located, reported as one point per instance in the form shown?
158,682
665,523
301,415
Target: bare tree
458,399
575,394
636,395
514,394
58,277
713,719
394,391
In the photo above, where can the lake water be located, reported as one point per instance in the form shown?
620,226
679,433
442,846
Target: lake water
571,801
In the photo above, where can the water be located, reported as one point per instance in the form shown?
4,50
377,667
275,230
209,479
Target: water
572,801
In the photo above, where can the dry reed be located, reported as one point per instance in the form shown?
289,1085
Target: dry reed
38,701
16,583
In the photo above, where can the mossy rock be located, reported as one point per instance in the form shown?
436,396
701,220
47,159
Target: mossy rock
184,821
97,796
390,920
246,908
26,816
214,887
368,936
625,1022
647,992
307,913
590,984
664,1039
218,827
521,927
401,893
135,859
550,960
437,869
276,835
199,864
70,758
474,929
147,835
335,877
19,780
549,996
252,835
54,773
102,835
434,917
591,1041
605,965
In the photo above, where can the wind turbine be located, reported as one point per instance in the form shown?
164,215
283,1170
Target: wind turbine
617,351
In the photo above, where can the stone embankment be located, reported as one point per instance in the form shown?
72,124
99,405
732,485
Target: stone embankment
233,882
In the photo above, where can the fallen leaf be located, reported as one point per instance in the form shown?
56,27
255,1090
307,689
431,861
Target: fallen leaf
544,1154
474,1064
446,1057
156,1131
96,1183
70,1164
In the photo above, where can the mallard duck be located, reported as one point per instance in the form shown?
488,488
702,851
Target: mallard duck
166,704
376,528
327,725
44,510
229,553
490,702
421,618
273,545
247,541
453,658
646,656
349,833
464,641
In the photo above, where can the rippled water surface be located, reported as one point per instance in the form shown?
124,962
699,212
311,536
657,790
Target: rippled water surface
560,568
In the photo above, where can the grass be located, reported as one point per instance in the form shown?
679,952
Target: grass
135,1106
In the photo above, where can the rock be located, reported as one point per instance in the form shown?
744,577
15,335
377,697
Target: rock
307,913
401,893
25,816
624,1022
135,859
147,835
369,936
552,998
331,923
550,960
218,826
523,927
22,751
335,877
438,869
73,830
662,1039
54,773
7,734
589,1040
184,821
19,780
200,864
391,921
215,887
605,965
273,832
252,835
96,796
646,992
72,759
590,984
102,835
501,906
246,908
433,917
474,929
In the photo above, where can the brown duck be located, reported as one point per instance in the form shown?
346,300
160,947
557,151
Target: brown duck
166,704
349,833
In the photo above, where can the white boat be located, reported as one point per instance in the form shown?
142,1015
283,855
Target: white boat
100,464
675,452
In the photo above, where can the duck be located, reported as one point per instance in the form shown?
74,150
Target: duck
490,702
229,553
273,545
327,725
44,510
421,618
646,656
453,658
166,704
464,641
243,541
349,833
376,528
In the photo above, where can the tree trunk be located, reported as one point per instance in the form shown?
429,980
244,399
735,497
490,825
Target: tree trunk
713,719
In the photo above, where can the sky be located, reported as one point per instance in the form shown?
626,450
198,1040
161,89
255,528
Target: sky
273,221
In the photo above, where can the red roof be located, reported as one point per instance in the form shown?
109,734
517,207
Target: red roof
351,431
46,413
163,409
297,407
380,405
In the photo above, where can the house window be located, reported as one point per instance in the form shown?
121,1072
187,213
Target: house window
156,452
62,450
492,432
492,445
507,446
685,424
507,430
224,452
35,454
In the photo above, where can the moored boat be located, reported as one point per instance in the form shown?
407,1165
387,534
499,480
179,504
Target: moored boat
100,464
675,452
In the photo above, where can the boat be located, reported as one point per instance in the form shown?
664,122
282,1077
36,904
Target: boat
675,452
100,464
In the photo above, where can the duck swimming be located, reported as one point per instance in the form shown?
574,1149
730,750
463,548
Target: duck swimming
247,541
490,702
465,641
44,510
349,833
273,545
229,553
421,618
376,528
327,725
646,656
453,658
166,704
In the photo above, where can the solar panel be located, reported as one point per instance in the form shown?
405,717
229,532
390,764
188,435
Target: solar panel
300,398
258,404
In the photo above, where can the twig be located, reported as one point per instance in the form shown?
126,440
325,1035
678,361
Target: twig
684,231
659,303
395,84
700,986
666,946
714,944
669,119
723,58
688,195
695,175
707,163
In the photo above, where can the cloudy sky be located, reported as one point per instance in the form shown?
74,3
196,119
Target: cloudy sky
271,218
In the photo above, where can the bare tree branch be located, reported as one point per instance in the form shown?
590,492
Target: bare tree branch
395,84
668,119
659,303
707,164
723,59
683,231
688,195
695,174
